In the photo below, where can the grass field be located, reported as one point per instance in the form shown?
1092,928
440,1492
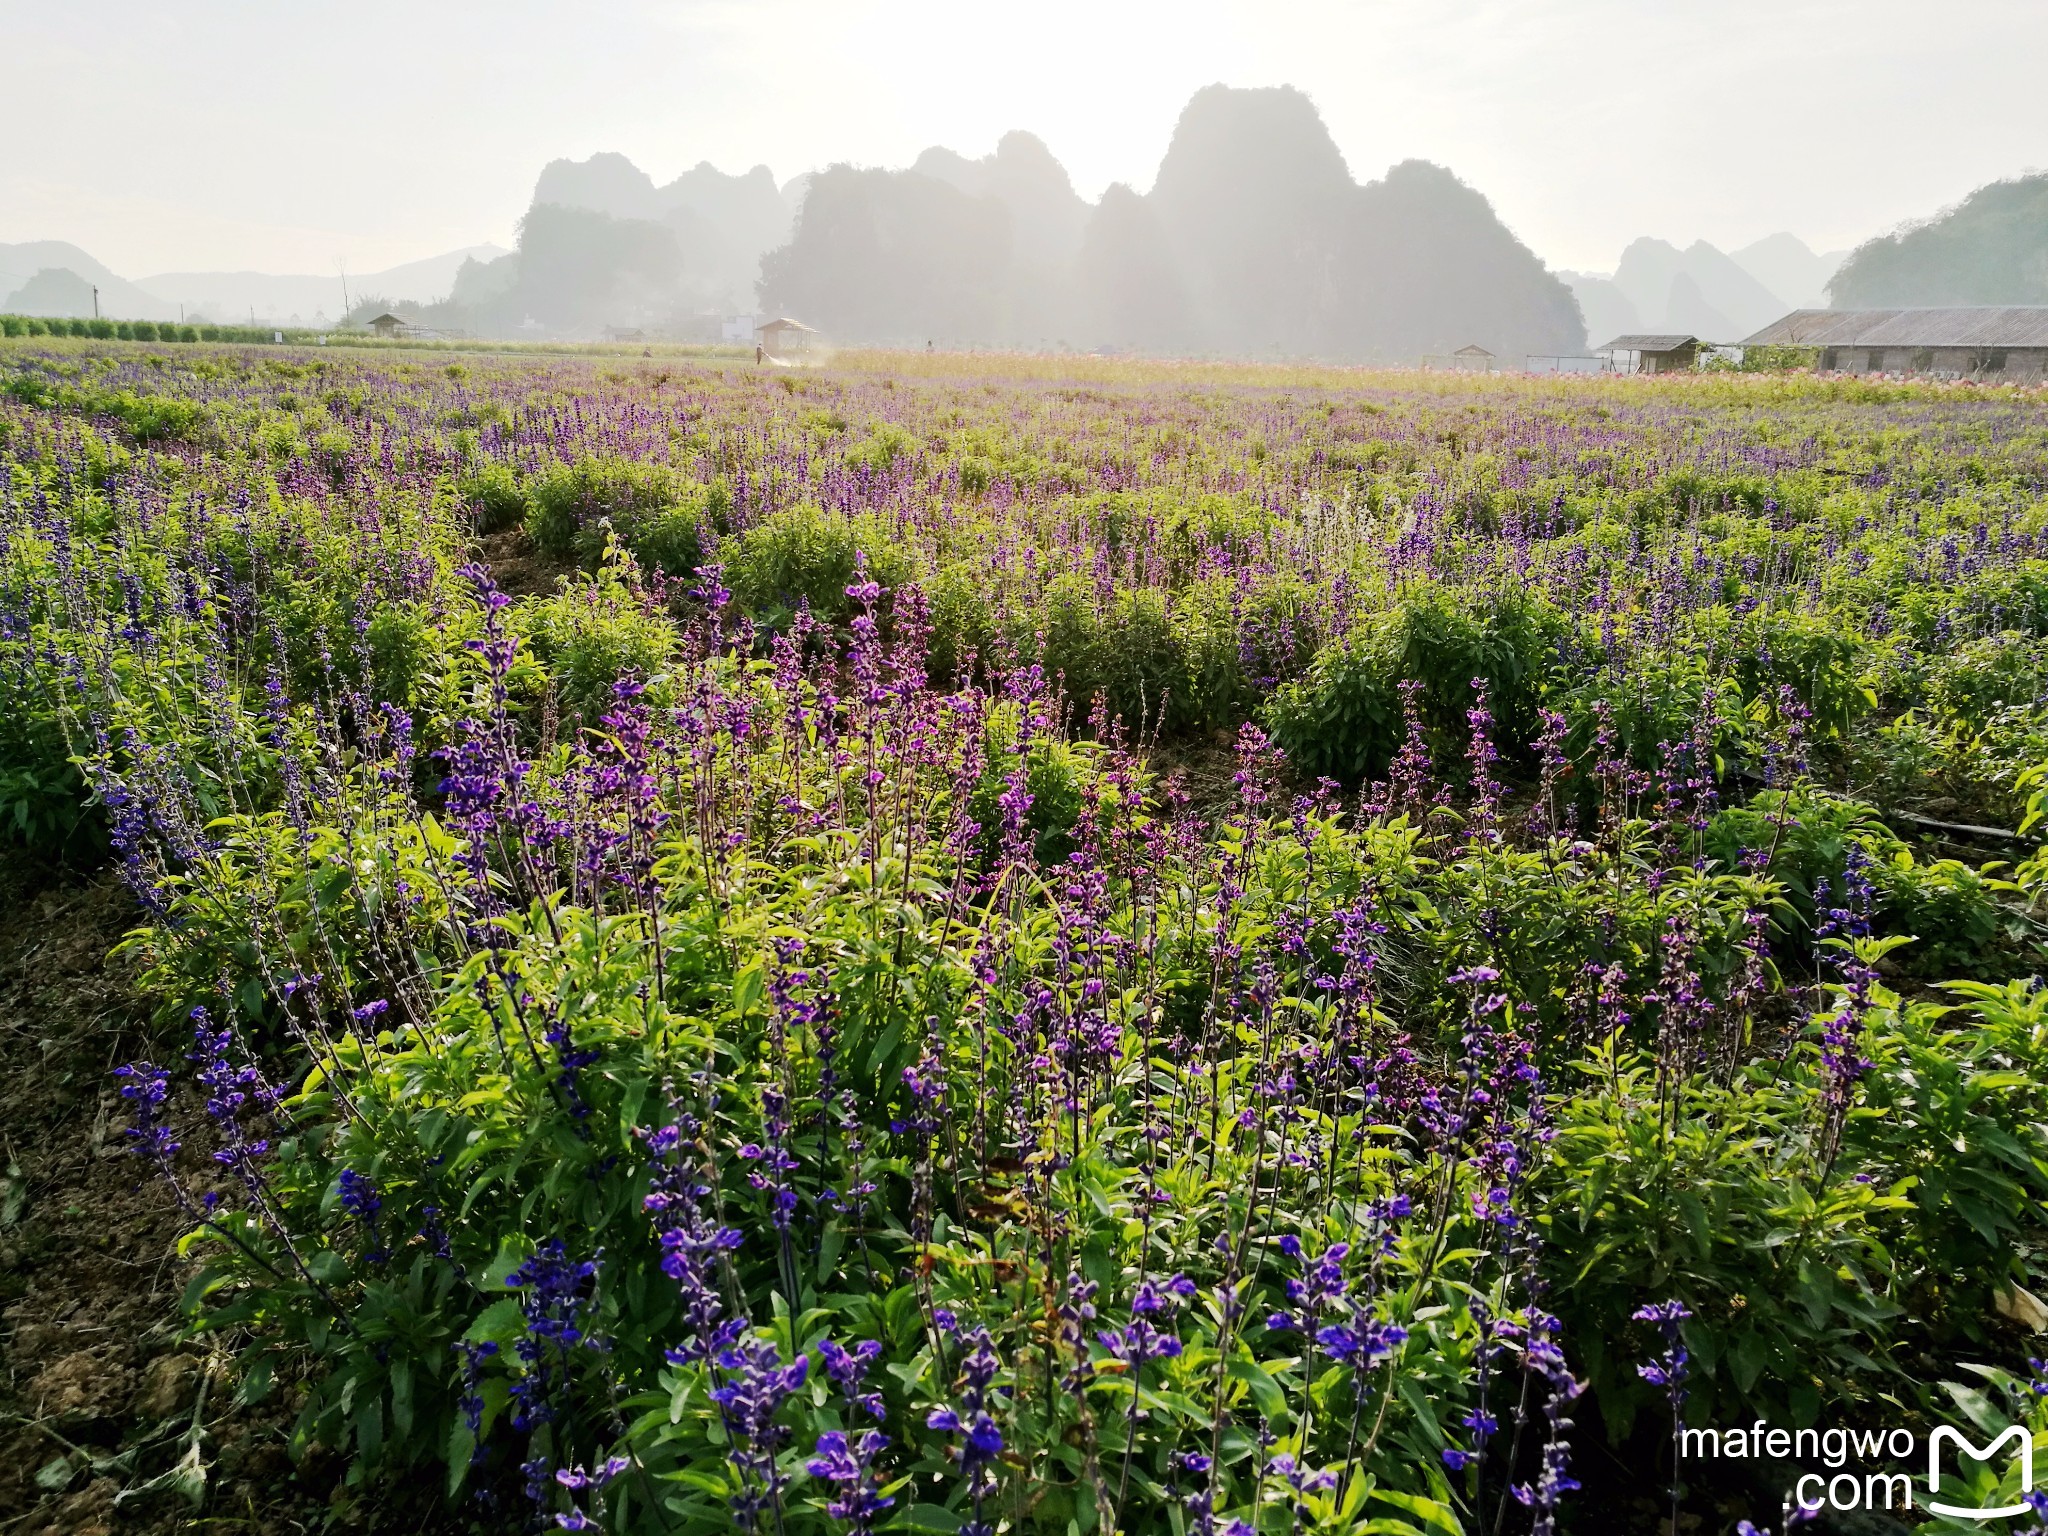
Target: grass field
1025,944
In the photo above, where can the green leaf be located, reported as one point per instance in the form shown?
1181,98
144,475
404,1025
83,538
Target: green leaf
1265,1391
746,990
461,1446
1436,1516
401,1397
56,1475
502,1323
925,1517
629,1111
512,1253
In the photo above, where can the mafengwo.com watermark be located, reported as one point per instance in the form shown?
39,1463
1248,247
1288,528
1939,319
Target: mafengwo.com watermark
1852,1470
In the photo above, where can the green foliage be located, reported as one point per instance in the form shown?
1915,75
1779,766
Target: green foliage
1973,683
44,813
1812,656
591,634
1987,249
962,619
1343,717
1778,359
497,499
1710,1193
1954,915
566,502
571,510
880,449
808,556
1957,1126
1800,1263
405,647
1053,773
1807,840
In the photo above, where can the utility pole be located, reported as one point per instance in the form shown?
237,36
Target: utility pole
95,301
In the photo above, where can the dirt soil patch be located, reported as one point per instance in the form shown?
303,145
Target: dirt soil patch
112,1419
519,569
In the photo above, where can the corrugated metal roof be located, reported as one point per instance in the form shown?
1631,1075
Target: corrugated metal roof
785,324
1648,344
1977,325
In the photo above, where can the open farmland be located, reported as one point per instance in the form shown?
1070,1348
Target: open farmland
1043,945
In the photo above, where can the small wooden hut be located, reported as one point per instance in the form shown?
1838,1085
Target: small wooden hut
1651,354
785,340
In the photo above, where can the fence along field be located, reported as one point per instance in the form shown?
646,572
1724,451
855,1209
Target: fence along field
940,947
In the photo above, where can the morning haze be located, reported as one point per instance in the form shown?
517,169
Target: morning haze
1360,182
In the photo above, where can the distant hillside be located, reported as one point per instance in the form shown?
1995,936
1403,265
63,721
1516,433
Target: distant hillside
1047,219
1787,266
308,297
1260,212
1991,248
1046,214
575,272
1699,290
1713,294
723,224
1607,310
1439,270
602,244
54,277
896,257
1254,239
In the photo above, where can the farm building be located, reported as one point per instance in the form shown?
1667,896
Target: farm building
786,340
388,325
1474,357
1651,354
1976,341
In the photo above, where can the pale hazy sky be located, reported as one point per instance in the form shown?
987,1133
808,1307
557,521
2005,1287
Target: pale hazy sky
281,135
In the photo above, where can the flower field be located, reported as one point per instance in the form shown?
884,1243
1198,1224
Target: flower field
978,945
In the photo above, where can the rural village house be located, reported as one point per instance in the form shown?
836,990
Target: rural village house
2004,341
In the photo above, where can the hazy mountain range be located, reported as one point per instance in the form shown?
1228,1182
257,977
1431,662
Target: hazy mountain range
53,277
1254,239
1701,290
602,244
232,295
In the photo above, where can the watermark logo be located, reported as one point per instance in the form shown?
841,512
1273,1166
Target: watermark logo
1945,1434
1866,1467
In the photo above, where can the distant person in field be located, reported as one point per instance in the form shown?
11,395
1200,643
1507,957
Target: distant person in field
760,356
